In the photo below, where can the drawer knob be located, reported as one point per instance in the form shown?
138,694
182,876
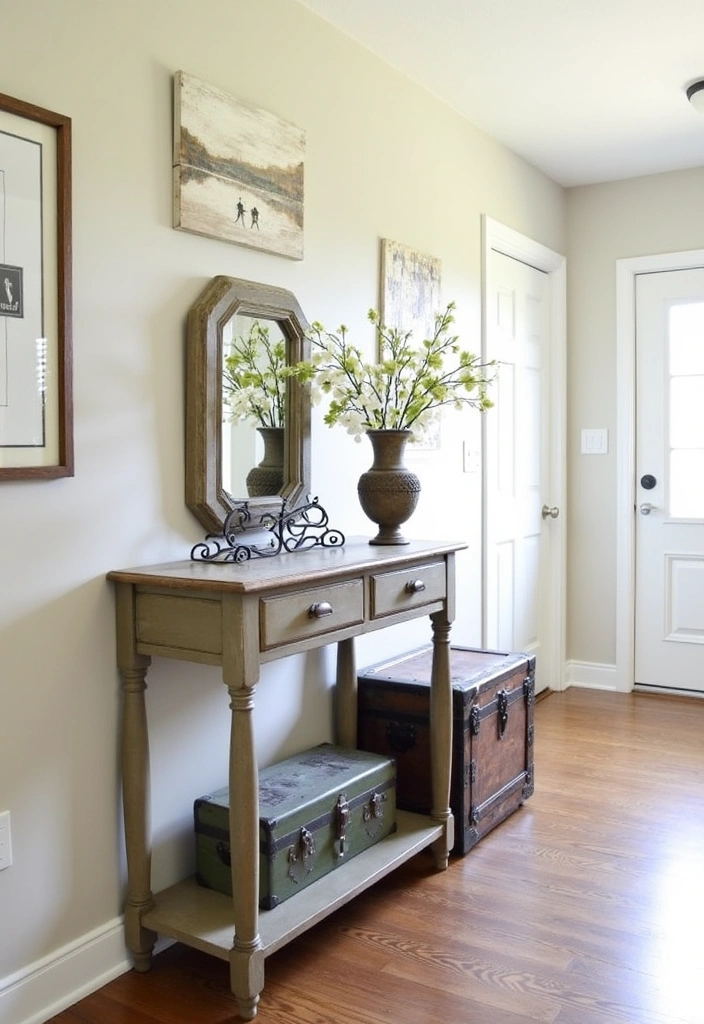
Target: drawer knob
415,586
319,610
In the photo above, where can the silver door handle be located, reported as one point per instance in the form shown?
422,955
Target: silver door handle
551,511
646,508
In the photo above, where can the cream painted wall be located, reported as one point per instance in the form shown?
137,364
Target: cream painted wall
637,217
384,159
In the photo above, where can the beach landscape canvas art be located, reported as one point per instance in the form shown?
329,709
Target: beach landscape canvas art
238,170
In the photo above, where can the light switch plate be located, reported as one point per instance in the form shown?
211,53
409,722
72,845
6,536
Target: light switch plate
595,441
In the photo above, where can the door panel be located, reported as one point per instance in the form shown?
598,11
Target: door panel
518,462
669,604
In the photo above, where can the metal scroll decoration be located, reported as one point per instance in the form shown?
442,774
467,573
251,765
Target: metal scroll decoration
291,530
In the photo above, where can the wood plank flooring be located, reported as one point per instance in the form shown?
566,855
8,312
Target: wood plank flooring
585,907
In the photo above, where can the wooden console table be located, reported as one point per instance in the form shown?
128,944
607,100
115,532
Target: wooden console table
240,616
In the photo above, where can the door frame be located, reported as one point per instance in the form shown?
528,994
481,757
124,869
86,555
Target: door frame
497,236
626,272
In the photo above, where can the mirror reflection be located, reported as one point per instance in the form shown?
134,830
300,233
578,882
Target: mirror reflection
254,406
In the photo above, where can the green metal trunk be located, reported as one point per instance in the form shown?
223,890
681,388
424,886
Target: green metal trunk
317,810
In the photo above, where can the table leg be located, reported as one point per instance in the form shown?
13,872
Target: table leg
135,779
346,695
135,787
441,737
246,958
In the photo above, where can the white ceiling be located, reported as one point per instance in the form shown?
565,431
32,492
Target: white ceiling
586,90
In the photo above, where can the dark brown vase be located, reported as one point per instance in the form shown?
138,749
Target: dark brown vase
388,491
268,477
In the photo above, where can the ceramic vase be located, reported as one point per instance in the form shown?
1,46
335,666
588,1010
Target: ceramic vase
388,491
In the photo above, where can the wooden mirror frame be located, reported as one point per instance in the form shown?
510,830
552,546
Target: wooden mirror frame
223,298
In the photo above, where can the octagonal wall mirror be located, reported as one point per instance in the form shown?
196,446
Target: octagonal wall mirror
247,425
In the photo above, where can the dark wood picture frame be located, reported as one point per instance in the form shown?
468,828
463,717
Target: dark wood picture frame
57,404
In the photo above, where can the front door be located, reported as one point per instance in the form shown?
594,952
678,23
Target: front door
669,486
524,520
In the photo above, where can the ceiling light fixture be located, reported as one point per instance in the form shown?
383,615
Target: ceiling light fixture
695,95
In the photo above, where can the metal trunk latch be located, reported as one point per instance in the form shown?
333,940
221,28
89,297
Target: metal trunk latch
342,820
300,856
372,814
222,849
502,707
401,736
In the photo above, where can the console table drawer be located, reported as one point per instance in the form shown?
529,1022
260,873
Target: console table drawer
310,613
409,588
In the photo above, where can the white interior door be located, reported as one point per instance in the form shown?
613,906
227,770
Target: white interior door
524,520
669,535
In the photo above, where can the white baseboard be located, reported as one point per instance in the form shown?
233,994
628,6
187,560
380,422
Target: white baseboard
592,676
45,988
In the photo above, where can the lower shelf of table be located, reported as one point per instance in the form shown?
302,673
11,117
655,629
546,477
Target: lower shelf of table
202,918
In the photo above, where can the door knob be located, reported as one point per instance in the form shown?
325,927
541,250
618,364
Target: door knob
646,508
553,512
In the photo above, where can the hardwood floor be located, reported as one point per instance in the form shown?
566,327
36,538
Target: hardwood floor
585,907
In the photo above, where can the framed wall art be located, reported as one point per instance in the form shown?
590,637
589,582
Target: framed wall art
410,297
238,170
410,289
36,413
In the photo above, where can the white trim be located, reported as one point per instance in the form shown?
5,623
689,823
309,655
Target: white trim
626,272
668,691
499,237
589,675
45,988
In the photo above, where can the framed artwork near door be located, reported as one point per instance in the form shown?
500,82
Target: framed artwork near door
411,289
36,412
410,297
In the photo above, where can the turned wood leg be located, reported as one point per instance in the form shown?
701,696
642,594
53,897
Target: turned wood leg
246,958
346,695
441,736
135,785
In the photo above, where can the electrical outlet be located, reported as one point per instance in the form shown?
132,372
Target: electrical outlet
5,840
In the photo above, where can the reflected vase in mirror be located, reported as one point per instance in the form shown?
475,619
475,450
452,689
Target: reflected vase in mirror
268,476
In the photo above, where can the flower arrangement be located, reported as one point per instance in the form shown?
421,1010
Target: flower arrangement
405,389
254,378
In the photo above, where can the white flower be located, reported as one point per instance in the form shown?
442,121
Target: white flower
254,385
405,389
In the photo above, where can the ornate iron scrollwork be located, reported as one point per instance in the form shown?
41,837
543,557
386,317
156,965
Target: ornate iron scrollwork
291,530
